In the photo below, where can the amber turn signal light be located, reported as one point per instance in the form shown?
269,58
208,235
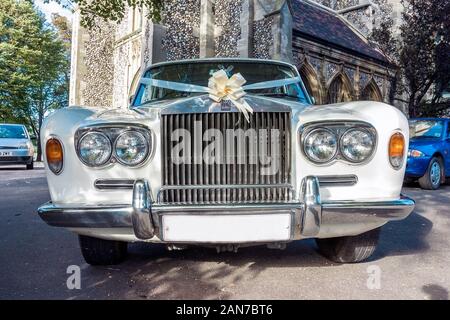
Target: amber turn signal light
397,150
54,155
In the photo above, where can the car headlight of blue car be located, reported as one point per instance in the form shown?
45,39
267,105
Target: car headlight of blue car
415,153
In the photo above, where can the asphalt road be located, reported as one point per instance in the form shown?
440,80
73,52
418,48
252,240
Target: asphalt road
412,259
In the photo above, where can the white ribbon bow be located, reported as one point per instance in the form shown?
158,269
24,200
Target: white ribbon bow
223,88
220,87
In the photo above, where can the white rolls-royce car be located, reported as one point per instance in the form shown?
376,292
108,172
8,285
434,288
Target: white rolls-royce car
225,153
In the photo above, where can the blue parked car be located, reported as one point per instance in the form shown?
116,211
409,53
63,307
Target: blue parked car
429,152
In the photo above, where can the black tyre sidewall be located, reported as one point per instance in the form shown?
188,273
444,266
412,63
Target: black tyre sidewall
425,181
102,252
350,249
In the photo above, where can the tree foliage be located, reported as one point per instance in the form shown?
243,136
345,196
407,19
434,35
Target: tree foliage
112,10
382,33
32,64
425,50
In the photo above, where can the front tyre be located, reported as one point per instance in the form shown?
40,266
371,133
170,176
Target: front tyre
350,249
432,178
99,252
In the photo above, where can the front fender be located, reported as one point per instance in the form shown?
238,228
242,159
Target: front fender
75,184
377,179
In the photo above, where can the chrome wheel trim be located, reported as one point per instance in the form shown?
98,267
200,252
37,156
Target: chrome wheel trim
435,174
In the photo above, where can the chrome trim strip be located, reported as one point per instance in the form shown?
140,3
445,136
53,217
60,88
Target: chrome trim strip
227,186
338,180
238,208
113,184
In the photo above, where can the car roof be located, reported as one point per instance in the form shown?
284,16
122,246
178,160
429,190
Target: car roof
158,64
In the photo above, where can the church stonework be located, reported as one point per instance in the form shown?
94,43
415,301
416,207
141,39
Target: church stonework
108,61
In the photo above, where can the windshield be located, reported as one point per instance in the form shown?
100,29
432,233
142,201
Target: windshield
198,73
12,132
423,129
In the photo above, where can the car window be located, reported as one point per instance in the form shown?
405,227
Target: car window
423,129
12,132
198,74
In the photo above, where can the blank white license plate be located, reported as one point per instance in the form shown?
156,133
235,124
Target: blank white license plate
5,154
226,228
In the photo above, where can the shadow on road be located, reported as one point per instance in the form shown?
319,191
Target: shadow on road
404,237
197,272
435,292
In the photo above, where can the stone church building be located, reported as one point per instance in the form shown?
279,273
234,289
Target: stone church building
328,46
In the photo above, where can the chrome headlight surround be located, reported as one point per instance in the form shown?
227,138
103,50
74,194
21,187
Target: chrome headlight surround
113,131
339,128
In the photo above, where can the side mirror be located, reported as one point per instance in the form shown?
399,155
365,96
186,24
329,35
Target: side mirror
313,100
130,99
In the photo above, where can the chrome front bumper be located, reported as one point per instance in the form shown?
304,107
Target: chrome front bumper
311,217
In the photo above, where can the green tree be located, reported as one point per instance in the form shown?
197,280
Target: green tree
425,47
111,10
32,64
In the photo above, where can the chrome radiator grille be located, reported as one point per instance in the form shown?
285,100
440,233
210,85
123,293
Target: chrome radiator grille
237,179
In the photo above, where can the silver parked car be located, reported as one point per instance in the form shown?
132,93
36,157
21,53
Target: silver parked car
15,145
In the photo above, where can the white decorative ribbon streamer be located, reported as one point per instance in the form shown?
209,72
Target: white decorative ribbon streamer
172,85
220,87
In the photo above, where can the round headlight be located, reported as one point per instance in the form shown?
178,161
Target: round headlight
357,145
320,145
94,149
131,148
